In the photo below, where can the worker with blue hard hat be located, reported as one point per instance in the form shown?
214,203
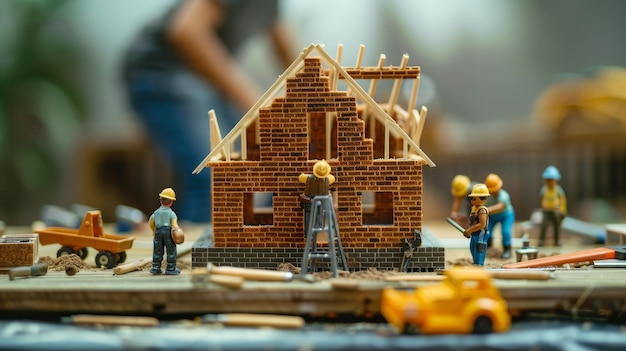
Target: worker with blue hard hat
553,204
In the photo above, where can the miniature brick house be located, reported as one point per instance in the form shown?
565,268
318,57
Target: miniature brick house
377,200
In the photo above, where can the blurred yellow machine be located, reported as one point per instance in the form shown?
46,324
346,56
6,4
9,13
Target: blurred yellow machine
466,301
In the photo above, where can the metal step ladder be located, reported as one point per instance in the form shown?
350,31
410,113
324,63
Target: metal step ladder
323,219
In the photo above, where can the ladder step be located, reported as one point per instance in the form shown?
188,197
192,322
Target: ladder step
319,255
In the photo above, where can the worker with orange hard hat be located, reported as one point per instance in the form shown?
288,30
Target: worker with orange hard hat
500,211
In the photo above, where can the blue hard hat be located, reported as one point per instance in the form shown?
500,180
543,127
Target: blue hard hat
551,172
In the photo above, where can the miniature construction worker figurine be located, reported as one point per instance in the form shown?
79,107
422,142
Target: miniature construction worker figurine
315,184
461,186
500,211
553,204
478,221
162,222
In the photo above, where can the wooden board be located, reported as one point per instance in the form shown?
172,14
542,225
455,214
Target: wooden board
141,293
102,292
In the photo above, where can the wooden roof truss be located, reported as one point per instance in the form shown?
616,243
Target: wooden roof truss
407,126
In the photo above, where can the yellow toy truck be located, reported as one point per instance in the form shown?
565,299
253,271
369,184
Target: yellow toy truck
466,301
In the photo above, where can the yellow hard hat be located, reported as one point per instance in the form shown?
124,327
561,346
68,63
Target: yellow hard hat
168,193
460,185
493,182
479,190
321,169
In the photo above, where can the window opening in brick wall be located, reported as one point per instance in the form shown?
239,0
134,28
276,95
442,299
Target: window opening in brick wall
377,208
318,148
258,208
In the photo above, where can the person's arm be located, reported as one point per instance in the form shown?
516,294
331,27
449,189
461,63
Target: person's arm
302,177
562,201
151,223
283,44
192,33
500,204
456,206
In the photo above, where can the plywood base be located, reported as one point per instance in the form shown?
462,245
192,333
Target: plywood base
140,293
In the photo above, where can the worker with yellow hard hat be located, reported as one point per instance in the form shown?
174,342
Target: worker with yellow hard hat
163,223
316,184
500,211
460,188
478,222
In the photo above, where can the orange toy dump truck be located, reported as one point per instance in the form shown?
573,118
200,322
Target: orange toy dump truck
466,301
111,247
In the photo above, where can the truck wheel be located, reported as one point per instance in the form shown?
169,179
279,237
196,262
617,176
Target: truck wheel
483,325
65,250
82,253
121,257
106,259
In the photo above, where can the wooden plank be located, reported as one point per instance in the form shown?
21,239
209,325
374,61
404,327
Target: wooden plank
143,294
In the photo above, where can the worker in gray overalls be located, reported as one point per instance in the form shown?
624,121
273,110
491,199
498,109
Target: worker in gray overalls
162,221
316,184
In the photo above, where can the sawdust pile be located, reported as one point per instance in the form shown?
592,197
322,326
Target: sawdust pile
60,264
73,263
366,274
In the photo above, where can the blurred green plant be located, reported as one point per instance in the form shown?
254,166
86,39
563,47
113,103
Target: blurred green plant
40,106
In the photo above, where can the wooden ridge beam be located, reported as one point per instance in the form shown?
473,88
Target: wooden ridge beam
380,73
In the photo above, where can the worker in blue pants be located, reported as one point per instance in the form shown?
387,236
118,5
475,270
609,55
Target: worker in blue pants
162,222
478,221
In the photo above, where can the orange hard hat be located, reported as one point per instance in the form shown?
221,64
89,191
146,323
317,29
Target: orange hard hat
493,182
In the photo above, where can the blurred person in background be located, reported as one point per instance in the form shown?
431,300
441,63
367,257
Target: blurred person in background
183,65
500,211
460,188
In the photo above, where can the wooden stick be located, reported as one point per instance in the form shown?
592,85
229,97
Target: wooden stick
202,276
227,280
130,267
114,320
255,320
414,278
183,249
251,273
522,274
